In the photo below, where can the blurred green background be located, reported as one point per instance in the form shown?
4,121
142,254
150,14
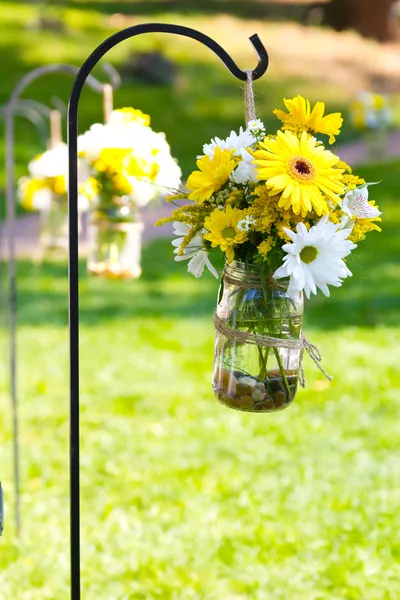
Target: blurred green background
181,498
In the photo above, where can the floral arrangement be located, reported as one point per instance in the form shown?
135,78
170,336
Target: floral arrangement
47,179
371,112
286,213
282,201
127,162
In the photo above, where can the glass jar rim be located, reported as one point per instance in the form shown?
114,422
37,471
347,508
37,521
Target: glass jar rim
252,273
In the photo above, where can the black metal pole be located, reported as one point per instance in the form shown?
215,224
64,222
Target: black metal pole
73,294
10,110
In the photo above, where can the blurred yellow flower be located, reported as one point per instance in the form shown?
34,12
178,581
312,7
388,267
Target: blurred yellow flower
90,188
224,230
121,184
213,173
300,113
28,187
59,184
301,170
132,115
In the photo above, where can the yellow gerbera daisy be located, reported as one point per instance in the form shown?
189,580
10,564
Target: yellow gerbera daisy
224,230
301,170
214,172
300,113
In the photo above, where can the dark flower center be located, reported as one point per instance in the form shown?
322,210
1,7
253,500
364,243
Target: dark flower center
302,167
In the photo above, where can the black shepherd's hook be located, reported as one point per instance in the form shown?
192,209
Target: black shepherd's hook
82,76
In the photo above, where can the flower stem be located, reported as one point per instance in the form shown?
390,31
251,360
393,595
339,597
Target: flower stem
276,350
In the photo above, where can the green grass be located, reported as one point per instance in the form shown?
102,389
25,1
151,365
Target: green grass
182,498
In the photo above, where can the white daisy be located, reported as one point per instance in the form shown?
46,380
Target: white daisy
246,223
256,127
193,251
246,169
235,141
315,258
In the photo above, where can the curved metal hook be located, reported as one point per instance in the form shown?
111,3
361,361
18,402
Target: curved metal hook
129,32
59,105
38,106
32,113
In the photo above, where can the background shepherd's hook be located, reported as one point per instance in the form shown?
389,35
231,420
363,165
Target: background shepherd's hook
12,108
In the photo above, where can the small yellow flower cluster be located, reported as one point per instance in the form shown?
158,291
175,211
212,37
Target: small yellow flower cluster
235,198
264,209
362,227
266,246
133,115
352,181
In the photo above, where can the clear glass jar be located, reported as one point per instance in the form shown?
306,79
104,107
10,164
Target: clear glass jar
115,243
247,376
54,225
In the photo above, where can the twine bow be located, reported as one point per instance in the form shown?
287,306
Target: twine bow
267,341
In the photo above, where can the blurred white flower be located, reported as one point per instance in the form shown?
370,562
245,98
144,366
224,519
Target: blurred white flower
149,148
52,163
371,111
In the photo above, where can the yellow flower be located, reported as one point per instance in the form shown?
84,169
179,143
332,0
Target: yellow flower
265,247
29,186
112,160
121,184
264,209
59,184
213,173
90,188
378,101
352,181
300,114
362,227
133,115
224,231
301,170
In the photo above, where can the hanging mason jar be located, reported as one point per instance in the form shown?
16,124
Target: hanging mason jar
258,350
115,242
54,224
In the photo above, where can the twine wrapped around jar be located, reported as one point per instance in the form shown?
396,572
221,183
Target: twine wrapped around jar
267,341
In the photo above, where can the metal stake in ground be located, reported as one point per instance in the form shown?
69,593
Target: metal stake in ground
73,292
